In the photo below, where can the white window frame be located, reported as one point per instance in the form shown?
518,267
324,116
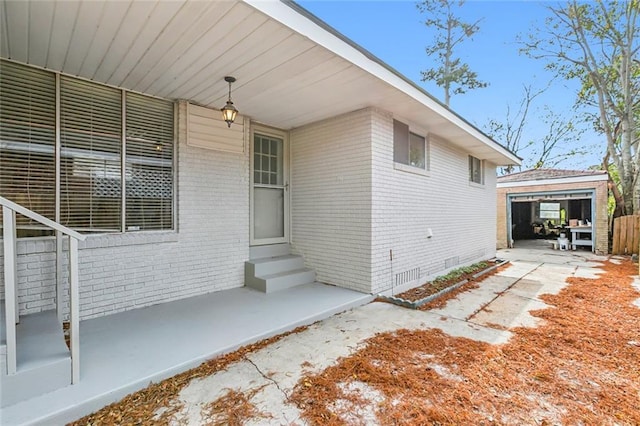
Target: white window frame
174,162
407,167
471,171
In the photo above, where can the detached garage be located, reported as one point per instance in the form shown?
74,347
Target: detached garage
544,203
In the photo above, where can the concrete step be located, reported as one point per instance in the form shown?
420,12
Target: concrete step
43,359
273,265
283,280
271,250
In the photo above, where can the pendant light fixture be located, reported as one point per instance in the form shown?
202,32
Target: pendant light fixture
229,112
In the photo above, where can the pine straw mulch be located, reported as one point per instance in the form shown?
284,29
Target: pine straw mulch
233,409
580,366
140,408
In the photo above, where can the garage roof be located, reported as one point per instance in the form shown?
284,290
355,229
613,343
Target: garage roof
546,174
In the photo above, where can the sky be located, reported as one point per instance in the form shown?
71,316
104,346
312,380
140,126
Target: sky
395,32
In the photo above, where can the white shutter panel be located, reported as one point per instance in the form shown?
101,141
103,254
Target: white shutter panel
149,163
206,129
27,140
90,163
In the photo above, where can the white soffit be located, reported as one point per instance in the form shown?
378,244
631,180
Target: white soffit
290,70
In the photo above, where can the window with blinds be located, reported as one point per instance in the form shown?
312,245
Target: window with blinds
92,179
90,156
27,141
149,163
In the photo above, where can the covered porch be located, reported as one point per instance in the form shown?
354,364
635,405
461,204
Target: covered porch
124,352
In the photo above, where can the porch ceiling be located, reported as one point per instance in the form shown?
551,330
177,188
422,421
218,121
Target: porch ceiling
290,69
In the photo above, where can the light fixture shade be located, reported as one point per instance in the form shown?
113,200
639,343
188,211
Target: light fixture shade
229,113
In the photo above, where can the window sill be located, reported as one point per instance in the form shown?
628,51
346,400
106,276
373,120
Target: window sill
33,245
476,185
128,239
410,169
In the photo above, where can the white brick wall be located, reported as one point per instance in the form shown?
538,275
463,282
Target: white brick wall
331,199
405,205
124,271
350,207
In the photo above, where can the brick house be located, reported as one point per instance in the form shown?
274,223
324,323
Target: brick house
337,170
540,203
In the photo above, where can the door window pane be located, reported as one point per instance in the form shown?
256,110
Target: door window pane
268,217
268,160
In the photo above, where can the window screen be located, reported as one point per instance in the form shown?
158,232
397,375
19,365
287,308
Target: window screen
27,141
417,151
475,170
408,148
400,142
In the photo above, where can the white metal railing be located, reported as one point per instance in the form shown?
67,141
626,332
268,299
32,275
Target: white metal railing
9,210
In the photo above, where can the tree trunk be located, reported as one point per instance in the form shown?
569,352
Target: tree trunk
636,196
619,210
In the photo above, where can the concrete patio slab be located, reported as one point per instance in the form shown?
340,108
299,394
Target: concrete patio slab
124,352
507,299
509,310
277,368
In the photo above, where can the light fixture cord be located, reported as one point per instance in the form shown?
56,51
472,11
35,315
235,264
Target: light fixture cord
229,91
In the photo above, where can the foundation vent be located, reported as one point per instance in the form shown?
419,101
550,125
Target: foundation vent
451,262
407,276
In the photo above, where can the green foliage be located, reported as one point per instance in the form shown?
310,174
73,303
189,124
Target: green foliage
598,43
453,75
459,272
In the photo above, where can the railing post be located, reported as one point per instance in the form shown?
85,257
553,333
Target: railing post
59,286
10,285
74,312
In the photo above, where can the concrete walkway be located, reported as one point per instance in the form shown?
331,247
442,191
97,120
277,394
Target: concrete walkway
502,301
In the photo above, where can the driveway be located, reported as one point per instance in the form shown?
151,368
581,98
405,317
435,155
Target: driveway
484,314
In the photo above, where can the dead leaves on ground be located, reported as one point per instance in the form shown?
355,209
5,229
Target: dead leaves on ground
155,405
580,367
233,408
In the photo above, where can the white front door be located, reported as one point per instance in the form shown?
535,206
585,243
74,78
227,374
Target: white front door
269,188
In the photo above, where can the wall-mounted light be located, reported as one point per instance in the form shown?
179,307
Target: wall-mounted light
229,112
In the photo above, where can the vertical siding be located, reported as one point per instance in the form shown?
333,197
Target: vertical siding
124,271
331,198
461,216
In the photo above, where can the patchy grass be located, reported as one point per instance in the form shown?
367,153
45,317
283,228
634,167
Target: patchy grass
579,367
